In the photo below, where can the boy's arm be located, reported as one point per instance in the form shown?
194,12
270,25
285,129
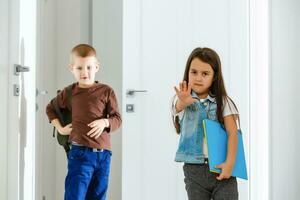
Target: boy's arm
62,130
113,115
60,100
56,124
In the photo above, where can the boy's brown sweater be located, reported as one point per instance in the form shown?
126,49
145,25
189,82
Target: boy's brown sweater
89,104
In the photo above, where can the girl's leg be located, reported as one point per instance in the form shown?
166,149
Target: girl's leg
226,189
197,185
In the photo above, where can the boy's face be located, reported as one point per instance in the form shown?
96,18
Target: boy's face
84,70
201,76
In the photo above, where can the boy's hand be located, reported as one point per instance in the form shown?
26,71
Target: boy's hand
65,130
226,171
97,127
184,94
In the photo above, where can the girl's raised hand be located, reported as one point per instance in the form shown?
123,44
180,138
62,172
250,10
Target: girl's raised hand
184,94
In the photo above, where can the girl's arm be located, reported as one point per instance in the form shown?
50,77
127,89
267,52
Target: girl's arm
179,106
231,129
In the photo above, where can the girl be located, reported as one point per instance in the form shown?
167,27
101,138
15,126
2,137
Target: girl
202,95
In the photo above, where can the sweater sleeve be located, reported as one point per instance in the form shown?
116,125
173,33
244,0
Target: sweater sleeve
113,113
61,101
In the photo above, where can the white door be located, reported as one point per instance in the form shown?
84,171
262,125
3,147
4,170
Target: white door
157,39
21,99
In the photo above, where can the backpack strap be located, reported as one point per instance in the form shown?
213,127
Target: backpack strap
57,111
69,103
69,96
53,131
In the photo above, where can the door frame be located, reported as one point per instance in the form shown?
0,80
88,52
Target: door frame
259,115
13,110
4,87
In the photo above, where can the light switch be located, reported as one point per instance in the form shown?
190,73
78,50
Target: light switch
129,108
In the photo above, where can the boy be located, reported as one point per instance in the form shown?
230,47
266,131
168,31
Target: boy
95,115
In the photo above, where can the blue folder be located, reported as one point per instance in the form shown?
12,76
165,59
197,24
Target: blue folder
216,138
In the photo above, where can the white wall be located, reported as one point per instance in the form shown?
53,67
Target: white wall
4,88
46,80
285,110
107,39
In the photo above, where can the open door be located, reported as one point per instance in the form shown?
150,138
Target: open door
21,18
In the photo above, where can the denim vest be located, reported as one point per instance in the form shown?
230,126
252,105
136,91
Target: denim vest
190,148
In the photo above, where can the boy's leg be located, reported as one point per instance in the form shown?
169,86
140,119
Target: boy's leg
197,182
80,171
99,183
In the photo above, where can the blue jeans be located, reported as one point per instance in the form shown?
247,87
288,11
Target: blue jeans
88,174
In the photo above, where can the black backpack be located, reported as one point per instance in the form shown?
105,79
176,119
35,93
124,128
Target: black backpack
64,117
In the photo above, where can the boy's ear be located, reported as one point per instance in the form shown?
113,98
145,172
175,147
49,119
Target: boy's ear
71,67
97,67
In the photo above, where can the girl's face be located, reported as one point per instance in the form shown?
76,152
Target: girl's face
201,77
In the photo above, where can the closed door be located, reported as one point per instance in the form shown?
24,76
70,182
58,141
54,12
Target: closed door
153,39
157,39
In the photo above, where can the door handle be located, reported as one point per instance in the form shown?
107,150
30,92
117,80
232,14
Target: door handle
130,92
40,92
19,68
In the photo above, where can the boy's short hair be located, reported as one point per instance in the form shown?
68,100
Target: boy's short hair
82,50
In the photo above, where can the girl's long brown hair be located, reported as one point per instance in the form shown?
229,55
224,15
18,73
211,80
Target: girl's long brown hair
217,89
